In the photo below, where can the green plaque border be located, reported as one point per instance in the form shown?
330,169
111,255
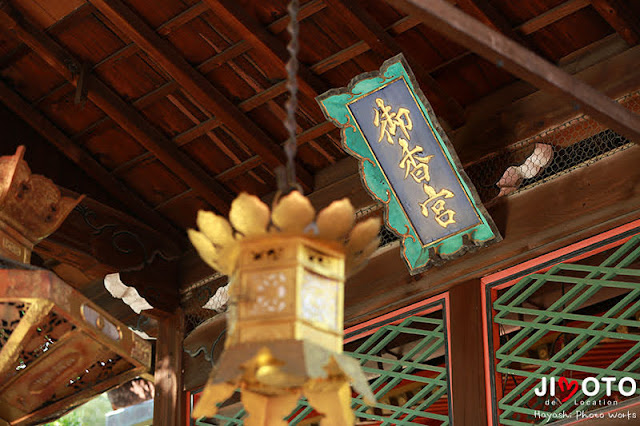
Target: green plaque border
333,104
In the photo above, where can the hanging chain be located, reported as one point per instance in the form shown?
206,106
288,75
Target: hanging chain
288,181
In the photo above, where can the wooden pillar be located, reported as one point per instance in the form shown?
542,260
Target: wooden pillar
169,402
467,355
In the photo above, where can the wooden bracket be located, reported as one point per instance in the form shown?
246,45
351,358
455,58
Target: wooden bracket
81,87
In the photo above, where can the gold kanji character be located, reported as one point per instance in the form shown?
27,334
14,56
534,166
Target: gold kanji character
418,167
439,206
388,121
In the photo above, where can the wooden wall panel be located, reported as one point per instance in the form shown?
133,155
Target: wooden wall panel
111,155
183,212
158,189
132,77
89,39
45,12
198,41
570,33
167,117
32,77
60,107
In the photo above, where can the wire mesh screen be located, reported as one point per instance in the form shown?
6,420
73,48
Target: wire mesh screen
203,300
575,143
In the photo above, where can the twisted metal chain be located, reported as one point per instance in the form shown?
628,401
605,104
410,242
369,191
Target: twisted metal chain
293,46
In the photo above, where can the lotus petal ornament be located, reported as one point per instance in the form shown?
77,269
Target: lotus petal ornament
286,297
249,215
335,221
293,213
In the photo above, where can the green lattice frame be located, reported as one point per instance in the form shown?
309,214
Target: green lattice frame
375,335
560,317
418,257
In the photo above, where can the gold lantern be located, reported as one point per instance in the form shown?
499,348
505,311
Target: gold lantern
285,319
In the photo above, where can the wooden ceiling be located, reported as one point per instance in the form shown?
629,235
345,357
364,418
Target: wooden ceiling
172,106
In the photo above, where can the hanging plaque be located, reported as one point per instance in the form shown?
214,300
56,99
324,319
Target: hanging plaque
408,163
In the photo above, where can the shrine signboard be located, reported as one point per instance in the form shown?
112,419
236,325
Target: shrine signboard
408,163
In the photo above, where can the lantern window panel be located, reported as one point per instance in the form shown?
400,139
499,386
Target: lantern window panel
320,299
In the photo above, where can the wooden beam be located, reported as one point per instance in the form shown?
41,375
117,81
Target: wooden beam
593,53
182,18
339,58
518,112
552,15
621,17
308,9
122,113
408,22
86,162
195,83
228,54
499,49
467,355
169,403
547,217
96,240
375,36
112,238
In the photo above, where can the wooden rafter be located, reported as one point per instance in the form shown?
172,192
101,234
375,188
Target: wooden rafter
498,48
198,130
618,14
490,16
237,49
249,29
375,36
409,22
398,27
196,84
85,161
125,115
306,10
402,25
552,15
251,163
182,18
